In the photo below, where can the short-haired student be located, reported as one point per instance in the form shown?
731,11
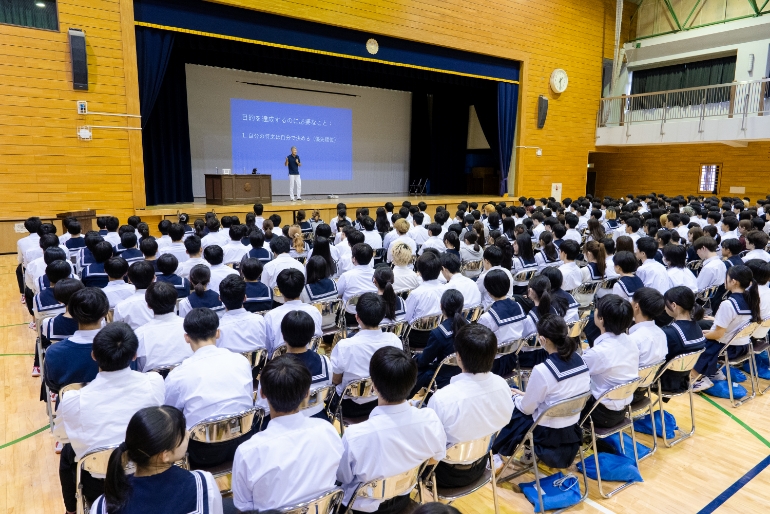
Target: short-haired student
259,297
450,269
194,253
161,340
167,266
214,256
652,273
425,299
713,270
63,325
134,310
93,275
396,437
476,403
626,265
201,296
290,284
683,335
176,247
240,331
155,439
44,303
280,246
648,305
117,289
96,416
212,382
572,275
358,279
129,251
350,356
505,317
493,258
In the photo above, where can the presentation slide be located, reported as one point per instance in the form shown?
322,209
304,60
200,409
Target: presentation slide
264,132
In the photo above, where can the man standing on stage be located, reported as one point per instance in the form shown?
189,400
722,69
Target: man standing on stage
292,161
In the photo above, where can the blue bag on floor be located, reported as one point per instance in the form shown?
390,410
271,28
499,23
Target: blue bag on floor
763,360
614,441
737,375
643,425
720,390
763,372
615,468
555,496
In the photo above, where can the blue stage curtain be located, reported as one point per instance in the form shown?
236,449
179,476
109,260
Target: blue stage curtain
153,50
507,105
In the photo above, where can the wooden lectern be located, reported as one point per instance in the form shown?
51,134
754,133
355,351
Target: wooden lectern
238,189
86,219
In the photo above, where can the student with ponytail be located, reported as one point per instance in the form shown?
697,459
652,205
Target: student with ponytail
201,296
394,305
596,256
563,375
299,248
741,306
549,254
683,335
155,439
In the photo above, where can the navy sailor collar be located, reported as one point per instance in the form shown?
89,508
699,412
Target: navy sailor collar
562,370
505,312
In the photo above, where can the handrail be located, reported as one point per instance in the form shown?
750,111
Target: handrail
688,89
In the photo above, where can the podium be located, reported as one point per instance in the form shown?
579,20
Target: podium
238,189
85,218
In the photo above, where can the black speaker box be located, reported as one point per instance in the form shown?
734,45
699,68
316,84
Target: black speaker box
79,59
542,111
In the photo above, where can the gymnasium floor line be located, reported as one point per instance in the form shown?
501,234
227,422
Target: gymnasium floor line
26,436
737,420
735,487
16,354
13,325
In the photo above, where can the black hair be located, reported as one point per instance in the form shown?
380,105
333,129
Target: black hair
32,224
394,373
161,297
102,251
128,239
370,309
192,244
743,275
214,254
115,346
554,276
497,283
731,222
362,253
647,246
650,302
258,208
167,263
112,223
634,224
627,261
200,276
428,265
148,246
571,249
684,298
418,217
758,267
705,242
477,346
452,303
58,270
290,283
384,278
280,244
65,288
452,238
675,255
297,328
251,268
757,238
317,269
116,267
285,382
451,262
237,232
54,253
176,231
493,254
554,328
616,313
232,292
201,324
257,239
524,244
549,249
141,274
88,305
74,228
212,224
542,288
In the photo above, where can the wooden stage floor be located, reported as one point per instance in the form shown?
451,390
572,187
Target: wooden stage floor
727,445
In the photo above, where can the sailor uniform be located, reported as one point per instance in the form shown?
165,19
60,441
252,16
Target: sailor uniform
506,319
94,275
732,314
543,261
440,344
626,286
45,302
735,260
610,226
486,298
519,265
182,285
259,297
324,289
209,299
45,283
132,255
320,368
681,337
400,312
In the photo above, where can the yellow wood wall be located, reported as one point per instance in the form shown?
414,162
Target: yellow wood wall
44,168
675,169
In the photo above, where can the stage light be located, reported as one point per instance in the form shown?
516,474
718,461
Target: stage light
40,4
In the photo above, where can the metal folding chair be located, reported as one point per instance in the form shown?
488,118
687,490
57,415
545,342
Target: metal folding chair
584,294
327,503
608,283
743,332
695,266
397,327
515,346
330,312
95,462
362,388
471,269
472,314
416,186
422,324
647,374
403,293
619,392
163,370
75,386
524,276
110,316
278,351
383,489
704,297
351,302
449,360
562,409
760,344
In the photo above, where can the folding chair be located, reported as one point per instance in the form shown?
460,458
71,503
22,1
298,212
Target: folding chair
471,269
403,293
449,360
75,386
386,488
415,186
647,374
327,503
163,370
608,283
743,332
225,428
463,454
278,351
236,265
516,346
330,311
562,409
362,388
472,314
95,462
379,255
619,392
397,327
524,276
704,297
110,316
760,344
351,302
695,266
277,294
422,324
584,294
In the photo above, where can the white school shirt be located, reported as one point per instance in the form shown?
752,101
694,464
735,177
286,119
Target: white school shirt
114,238
373,239
574,235
425,218
764,301
614,359
424,300
728,318
234,251
97,415
732,234
582,222
212,382
389,237
276,266
117,291
472,406
651,342
466,286
241,331
683,231
133,310
486,299
433,242
682,277
178,250
654,275
356,281
161,342
407,240
273,318
405,278
351,356
712,273
757,254
293,460
218,273
419,234
212,238
184,267
24,244
333,223
536,231
395,439
572,276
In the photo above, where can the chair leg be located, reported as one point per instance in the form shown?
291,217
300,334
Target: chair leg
494,481
652,421
80,505
537,473
756,368
683,435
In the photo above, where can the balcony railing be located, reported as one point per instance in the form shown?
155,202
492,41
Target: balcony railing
734,100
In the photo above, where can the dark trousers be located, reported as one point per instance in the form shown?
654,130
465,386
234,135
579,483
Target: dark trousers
29,295
206,455
448,475
418,338
92,487
20,278
392,506
350,320
602,416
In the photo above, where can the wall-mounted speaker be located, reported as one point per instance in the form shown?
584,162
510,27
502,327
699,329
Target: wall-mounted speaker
79,59
542,111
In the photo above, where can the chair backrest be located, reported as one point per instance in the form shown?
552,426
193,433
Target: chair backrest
397,327
575,328
762,329
472,314
745,331
317,397
279,350
352,301
468,452
648,373
362,388
379,253
608,283
95,461
707,293
426,323
403,293
586,288
277,293
327,503
620,391
163,370
329,310
256,358
471,265
695,265
225,428
566,408
511,346
524,276
683,362
71,387
110,316
389,487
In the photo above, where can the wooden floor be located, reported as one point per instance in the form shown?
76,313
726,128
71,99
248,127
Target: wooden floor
684,479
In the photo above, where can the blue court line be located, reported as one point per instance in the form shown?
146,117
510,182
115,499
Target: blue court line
730,491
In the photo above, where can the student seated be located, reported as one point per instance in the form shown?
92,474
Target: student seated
167,266
93,275
404,276
69,360
45,302
731,252
201,296
61,326
129,251
741,306
259,297
358,279
563,375
155,439
651,272
299,247
177,247
523,260
683,335
401,227
350,356
493,257
434,239
319,286
215,257
112,224
596,257
194,253
133,310
395,306
234,251
296,457
450,270
257,250
240,331
674,257
712,272
626,266
549,254
441,343
212,382
425,300
117,289
213,235
161,340
756,242
648,305
149,248
612,360
290,284
396,438
572,276
76,240
280,246
97,415
504,317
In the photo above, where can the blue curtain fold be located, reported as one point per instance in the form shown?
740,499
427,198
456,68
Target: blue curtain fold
153,51
507,106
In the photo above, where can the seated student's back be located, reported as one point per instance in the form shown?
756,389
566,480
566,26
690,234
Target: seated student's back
117,288
201,296
259,297
239,330
161,340
94,275
167,265
133,310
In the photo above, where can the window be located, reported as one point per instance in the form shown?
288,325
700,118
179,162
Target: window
39,14
709,178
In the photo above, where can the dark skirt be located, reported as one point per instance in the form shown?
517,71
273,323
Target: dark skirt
601,415
448,475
